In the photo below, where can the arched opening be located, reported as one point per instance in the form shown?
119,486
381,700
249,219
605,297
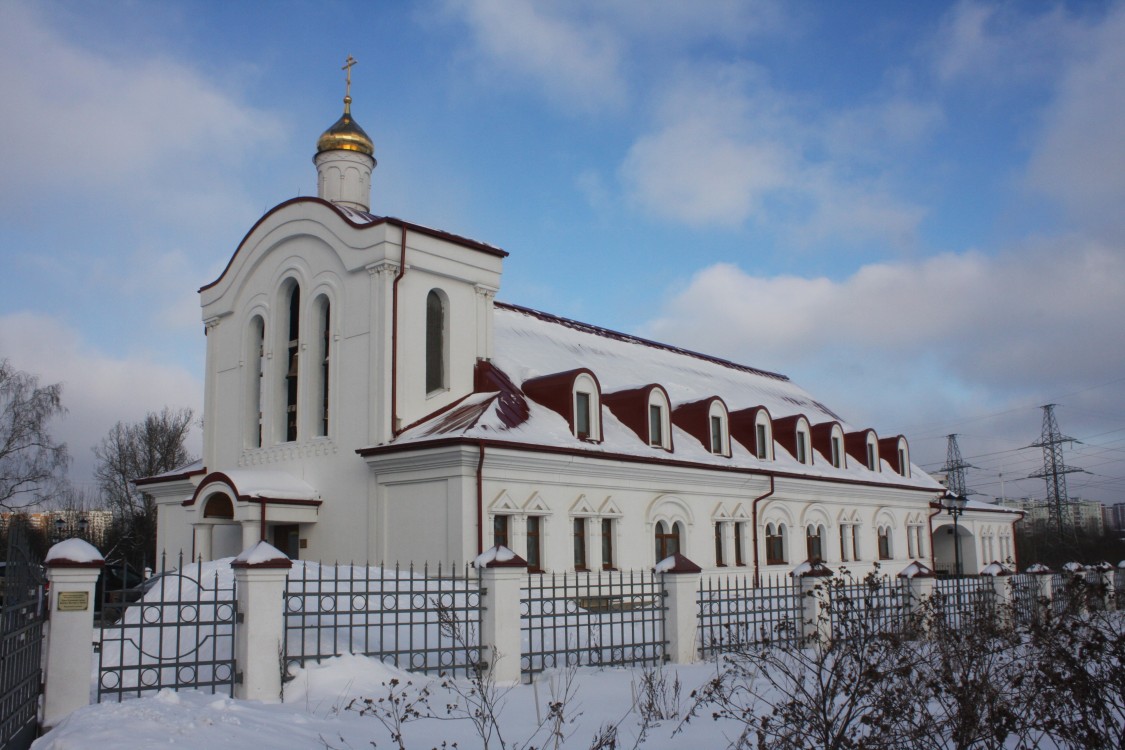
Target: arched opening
219,506
947,547
775,544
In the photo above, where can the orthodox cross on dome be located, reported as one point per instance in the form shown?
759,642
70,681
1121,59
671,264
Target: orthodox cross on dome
348,68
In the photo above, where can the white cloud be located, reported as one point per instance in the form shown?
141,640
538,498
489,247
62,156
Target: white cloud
576,64
74,120
726,149
1039,320
1079,159
98,390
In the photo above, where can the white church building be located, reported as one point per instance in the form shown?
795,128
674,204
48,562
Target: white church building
368,399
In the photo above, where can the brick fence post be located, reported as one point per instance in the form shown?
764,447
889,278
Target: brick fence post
260,573
501,573
680,578
817,616
73,568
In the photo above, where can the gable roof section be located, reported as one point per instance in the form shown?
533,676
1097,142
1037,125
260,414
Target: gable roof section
360,220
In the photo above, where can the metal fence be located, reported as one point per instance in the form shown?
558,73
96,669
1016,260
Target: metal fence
1025,597
21,641
874,605
425,620
172,630
1119,586
964,600
734,613
592,619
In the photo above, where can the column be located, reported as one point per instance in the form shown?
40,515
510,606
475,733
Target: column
201,549
681,618
259,574
500,582
73,568
818,623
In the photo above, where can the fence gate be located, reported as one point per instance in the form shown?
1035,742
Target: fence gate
21,642
173,630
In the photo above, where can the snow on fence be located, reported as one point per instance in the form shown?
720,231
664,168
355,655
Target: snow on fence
172,630
425,620
733,613
592,619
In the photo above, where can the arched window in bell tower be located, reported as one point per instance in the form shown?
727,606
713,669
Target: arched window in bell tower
436,327
323,311
255,369
292,368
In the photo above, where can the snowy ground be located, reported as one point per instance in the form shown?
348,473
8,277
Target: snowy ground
314,715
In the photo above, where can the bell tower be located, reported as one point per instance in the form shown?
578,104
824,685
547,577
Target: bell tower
345,157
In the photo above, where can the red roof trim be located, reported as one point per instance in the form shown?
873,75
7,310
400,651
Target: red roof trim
379,450
629,338
161,479
218,477
375,221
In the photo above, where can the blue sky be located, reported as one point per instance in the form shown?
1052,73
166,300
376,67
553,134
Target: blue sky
913,209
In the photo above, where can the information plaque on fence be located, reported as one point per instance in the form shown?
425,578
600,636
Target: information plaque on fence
73,601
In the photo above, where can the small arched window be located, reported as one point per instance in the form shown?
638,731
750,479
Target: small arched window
763,436
885,551
659,420
667,539
436,328
718,432
814,542
587,409
775,544
803,456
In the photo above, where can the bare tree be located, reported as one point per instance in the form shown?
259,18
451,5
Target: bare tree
31,462
133,451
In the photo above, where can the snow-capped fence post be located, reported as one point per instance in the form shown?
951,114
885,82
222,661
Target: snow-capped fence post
259,574
1108,584
501,574
920,585
1045,577
1002,592
680,578
817,599
73,568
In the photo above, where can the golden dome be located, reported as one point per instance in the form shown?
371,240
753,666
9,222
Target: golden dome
346,135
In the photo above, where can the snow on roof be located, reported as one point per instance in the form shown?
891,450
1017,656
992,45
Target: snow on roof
530,344
274,485
190,468
260,553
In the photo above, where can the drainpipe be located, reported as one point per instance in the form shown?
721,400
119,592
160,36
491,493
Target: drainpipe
480,498
263,531
394,335
754,515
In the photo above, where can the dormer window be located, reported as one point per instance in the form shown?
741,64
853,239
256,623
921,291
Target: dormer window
647,412
707,421
717,435
896,452
575,395
863,446
903,464
763,448
872,451
837,451
802,447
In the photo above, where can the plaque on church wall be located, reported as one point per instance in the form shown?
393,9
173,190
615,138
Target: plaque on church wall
73,601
